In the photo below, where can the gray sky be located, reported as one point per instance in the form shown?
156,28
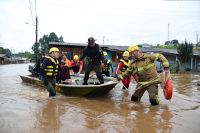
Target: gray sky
119,22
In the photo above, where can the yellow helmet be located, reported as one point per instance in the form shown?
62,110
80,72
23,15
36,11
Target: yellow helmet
76,57
126,54
105,53
53,49
133,48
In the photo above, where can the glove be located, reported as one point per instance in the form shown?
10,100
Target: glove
119,77
45,81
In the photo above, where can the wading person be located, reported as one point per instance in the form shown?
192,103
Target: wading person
107,64
148,79
121,68
94,55
50,70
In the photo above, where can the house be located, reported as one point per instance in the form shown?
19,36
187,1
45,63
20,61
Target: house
70,49
115,53
4,59
173,57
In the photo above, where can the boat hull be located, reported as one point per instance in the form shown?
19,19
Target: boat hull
76,90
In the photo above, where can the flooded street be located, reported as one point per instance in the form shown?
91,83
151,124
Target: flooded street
27,108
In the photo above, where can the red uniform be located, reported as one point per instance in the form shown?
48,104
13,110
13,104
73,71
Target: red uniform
77,66
122,66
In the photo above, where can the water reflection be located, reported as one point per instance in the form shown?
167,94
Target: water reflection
112,113
48,117
153,119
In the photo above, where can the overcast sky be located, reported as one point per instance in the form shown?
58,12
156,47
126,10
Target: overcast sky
119,22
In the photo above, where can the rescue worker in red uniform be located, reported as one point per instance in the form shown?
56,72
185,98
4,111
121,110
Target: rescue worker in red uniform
148,79
77,65
107,64
121,68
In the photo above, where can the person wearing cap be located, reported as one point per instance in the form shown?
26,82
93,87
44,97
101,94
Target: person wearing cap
148,79
107,64
77,65
94,56
49,70
121,68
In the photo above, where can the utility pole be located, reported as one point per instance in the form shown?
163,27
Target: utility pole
168,31
197,37
36,39
36,33
103,39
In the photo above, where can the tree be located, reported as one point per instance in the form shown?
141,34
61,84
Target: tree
185,51
44,41
60,39
5,51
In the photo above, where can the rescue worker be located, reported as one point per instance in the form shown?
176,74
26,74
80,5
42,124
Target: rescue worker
94,56
121,68
50,70
107,64
77,65
148,78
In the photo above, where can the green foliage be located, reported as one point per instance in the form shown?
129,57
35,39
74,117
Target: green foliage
185,51
5,51
169,46
24,55
43,43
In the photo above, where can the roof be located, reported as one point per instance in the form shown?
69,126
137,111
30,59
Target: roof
124,48
4,56
109,47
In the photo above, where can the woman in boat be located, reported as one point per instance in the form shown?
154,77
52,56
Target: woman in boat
121,68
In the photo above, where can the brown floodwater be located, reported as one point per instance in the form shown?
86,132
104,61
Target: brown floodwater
25,108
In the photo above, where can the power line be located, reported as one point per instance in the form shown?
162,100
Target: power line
31,10
35,9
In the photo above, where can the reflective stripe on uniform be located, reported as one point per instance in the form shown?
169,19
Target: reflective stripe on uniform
154,81
52,70
166,64
145,67
124,62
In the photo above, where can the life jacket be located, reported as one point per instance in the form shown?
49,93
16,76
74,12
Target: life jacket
106,65
125,65
52,68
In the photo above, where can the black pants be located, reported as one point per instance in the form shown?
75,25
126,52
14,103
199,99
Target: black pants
96,66
107,73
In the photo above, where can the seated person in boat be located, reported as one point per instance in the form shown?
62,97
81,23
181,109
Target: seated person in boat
77,65
37,68
66,60
65,67
106,65
65,74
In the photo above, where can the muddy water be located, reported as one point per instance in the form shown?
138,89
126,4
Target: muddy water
25,108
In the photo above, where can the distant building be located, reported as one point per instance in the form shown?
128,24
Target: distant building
115,53
4,59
